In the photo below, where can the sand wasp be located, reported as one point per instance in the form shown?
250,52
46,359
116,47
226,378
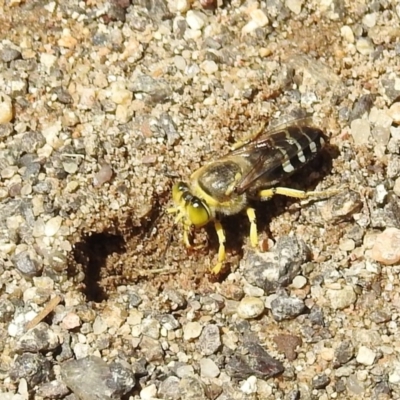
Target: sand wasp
251,171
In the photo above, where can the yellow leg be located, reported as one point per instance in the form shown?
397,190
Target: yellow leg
221,251
253,226
299,194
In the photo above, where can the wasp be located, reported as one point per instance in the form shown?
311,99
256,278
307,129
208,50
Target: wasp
251,171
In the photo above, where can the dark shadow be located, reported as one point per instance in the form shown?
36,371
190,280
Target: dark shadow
92,253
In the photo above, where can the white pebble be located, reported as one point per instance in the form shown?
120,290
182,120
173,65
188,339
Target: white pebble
364,46
347,34
149,392
52,226
299,282
191,330
182,5
386,249
209,66
195,19
369,20
250,307
394,112
208,368
342,298
365,356
294,6
249,386
258,16
361,131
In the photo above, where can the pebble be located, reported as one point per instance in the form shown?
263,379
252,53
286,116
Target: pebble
34,368
259,17
52,226
71,321
196,19
299,282
369,20
209,67
149,392
192,330
249,386
394,112
208,368
93,378
386,249
364,46
341,298
53,390
396,187
365,356
182,5
294,5
347,33
40,338
361,131
6,112
210,340
26,264
250,307
103,175
283,307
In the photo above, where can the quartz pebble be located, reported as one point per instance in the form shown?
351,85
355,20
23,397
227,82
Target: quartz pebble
192,330
195,19
364,46
250,307
394,112
341,298
294,5
6,112
361,131
365,356
386,249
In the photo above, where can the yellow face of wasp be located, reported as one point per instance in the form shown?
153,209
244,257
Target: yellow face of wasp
193,210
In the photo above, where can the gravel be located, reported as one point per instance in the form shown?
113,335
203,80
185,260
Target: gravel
103,106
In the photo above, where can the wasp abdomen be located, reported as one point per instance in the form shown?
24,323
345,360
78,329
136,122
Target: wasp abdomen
298,146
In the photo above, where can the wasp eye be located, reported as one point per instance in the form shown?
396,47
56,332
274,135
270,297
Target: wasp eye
197,212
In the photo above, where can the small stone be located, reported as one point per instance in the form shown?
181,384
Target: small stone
34,368
41,338
169,388
386,249
210,340
182,5
121,96
294,6
259,17
347,33
208,368
250,307
394,112
9,54
344,353
253,360
149,392
103,175
92,378
364,46
249,386
70,167
342,298
369,20
320,381
53,390
284,307
396,187
26,264
299,282
52,226
151,328
288,344
365,356
209,66
151,349
6,112
196,19
361,131
192,330
71,321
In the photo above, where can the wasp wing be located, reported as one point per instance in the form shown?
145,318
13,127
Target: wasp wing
275,156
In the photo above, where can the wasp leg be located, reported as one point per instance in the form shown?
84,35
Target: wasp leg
221,251
299,194
250,137
253,226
